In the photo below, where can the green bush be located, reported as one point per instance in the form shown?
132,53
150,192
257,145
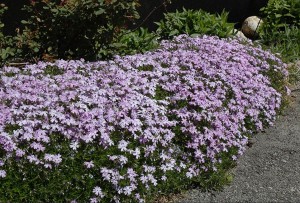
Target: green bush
73,28
280,30
193,22
279,13
137,41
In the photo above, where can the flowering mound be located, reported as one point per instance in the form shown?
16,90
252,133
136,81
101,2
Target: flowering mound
118,130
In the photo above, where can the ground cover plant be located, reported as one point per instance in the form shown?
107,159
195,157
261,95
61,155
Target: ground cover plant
126,129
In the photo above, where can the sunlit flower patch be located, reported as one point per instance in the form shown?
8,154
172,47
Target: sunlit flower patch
123,127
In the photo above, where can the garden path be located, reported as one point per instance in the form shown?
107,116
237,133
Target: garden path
269,171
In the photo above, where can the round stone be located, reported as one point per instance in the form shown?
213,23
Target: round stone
251,25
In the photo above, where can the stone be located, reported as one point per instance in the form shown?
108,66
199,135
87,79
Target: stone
251,25
238,34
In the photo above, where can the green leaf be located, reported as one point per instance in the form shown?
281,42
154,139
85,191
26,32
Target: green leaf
195,35
54,10
99,12
174,32
24,22
289,15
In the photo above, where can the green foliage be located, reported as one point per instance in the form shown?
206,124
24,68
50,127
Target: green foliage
285,43
6,50
280,30
216,180
53,70
132,42
194,23
3,8
73,28
280,13
294,73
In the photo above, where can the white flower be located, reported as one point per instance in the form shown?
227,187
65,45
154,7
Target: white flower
98,191
123,145
2,174
93,200
74,145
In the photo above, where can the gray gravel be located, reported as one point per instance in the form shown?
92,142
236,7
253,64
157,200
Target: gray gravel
269,171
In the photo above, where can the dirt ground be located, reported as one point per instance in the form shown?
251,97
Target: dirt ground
269,171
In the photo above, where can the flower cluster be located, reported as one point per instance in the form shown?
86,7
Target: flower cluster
218,92
130,121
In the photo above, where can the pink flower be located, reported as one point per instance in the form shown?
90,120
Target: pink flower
89,164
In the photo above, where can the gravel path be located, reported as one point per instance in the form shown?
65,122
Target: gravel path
269,171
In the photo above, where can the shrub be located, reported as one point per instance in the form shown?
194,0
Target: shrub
73,28
279,13
193,22
2,10
129,128
6,50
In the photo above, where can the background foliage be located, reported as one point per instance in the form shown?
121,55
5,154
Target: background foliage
135,41
6,44
280,30
73,28
194,22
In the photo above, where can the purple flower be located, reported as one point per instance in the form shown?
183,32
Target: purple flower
123,145
2,174
98,192
53,158
204,91
33,159
89,164
94,200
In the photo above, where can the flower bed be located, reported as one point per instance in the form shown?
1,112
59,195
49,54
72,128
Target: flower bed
119,130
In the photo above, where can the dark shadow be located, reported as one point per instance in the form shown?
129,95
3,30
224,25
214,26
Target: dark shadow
13,16
238,10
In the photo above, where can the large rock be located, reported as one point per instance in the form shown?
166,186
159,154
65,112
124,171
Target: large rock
251,26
